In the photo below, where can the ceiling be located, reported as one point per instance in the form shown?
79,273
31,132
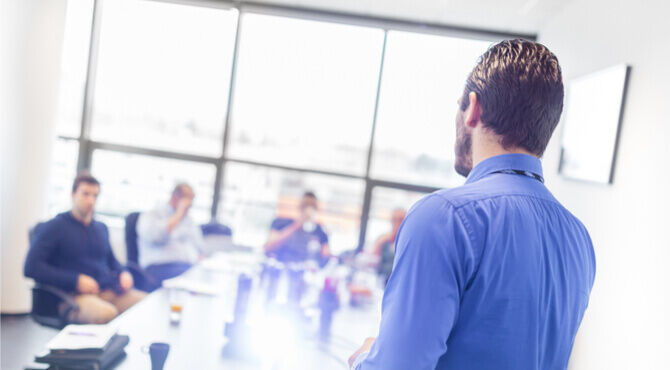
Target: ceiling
518,16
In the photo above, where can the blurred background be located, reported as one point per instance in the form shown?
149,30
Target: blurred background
255,103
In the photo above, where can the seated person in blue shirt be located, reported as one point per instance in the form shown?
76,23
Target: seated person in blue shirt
72,252
300,239
384,247
169,241
495,274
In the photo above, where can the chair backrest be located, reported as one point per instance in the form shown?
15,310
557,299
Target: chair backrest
132,254
215,228
46,308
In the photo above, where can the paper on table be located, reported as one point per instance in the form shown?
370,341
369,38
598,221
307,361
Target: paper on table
192,286
74,337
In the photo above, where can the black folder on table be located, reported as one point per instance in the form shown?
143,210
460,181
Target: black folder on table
90,358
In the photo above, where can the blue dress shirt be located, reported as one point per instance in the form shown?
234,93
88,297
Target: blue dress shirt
495,274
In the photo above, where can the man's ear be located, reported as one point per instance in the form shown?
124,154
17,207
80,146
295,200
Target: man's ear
473,113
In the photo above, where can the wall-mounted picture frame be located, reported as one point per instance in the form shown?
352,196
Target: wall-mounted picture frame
592,124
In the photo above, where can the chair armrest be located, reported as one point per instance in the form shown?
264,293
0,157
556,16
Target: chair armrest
51,315
61,294
136,270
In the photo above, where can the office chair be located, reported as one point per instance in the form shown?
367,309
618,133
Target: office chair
143,281
51,306
215,228
219,238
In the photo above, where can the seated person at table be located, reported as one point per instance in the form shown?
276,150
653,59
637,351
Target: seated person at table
169,241
72,252
384,246
300,239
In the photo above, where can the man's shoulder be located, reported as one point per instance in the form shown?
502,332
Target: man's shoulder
57,222
157,211
53,228
281,222
99,225
467,193
453,198
492,187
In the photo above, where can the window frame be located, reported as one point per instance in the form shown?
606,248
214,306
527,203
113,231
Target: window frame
87,146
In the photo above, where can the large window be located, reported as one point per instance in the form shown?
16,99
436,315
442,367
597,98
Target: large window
132,182
73,67
61,175
307,99
305,93
384,202
163,75
74,60
253,196
422,81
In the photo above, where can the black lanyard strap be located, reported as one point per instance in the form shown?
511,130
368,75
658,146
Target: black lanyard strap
523,173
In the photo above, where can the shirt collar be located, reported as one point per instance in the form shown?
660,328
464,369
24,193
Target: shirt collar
520,162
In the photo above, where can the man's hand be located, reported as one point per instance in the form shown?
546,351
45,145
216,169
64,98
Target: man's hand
180,211
87,285
367,344
126,281
183,205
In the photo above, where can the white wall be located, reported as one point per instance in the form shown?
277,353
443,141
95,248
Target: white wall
32,35
626,325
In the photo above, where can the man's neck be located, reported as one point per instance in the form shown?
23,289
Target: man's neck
486,149
84,219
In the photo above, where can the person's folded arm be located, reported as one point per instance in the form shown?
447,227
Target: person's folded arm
433,263
278,236
37,266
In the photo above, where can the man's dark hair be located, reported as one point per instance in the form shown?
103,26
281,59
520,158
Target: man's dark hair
86,178
520,88
309,194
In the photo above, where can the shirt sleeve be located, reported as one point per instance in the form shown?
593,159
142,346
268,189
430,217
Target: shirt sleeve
323,237
152,226
37,266
280,223
433,264
359,360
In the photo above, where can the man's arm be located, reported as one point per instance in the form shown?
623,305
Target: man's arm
37,264
151,226
278,237
433,264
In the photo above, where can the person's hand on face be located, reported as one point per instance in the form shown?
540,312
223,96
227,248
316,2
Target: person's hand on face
183,205
87,285
126,281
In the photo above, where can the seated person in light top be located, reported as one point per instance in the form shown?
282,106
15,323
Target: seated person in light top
169,241
384,247
72,252
297,240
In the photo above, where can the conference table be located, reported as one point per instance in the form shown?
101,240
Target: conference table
198,340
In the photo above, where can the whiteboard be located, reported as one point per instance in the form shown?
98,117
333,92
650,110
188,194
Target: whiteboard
592,120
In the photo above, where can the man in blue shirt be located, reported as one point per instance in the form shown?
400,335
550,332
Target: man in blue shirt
72,252
495,274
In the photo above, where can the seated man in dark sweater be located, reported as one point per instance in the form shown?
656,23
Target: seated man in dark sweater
72,252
